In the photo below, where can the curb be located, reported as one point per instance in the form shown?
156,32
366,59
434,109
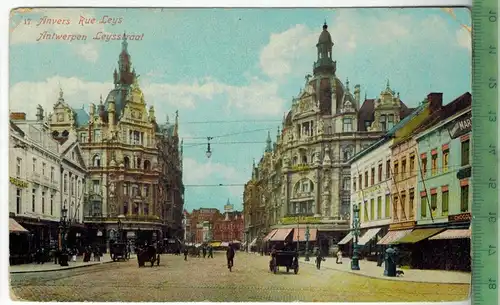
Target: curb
388,278
60,269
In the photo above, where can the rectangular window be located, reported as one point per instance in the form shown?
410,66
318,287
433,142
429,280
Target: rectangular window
365,211
360,178
146,191
366,179
346,185
125,208
125,189
379,173
403,167
412,165
51,204
96,186
423,206
43,169
18,167
18,200
34,165
388,169
43,202
465,152
411,203
444,202
424,167
387,206
83,138
434,203
395,203
403,204
379,207
446,155
52,174
434,164
372,209
372,178
396,170
464,198
33,200
347,125
354,184
383,122
390,121
97,135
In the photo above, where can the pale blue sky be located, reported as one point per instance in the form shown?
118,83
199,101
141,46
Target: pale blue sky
237,64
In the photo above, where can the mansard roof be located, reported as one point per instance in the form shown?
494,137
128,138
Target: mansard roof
82,118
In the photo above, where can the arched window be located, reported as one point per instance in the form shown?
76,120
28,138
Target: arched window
139,161
126,162
96,161
304,159
348,152
147,165
65,133
295,160
55,133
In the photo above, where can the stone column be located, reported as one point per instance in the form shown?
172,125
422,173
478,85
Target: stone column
317,201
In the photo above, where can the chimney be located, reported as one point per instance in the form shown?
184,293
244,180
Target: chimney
18,116
435,101
39,113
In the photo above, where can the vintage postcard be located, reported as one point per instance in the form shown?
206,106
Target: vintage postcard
244,155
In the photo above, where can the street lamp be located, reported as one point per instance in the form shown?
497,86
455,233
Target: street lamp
63,226
355,231
209,152
307,243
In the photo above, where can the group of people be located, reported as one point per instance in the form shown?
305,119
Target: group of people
230,253
204,250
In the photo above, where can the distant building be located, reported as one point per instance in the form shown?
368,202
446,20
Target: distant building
201,223
230,228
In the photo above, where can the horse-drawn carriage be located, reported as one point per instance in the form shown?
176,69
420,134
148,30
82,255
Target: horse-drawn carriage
119,251
288,259
148,254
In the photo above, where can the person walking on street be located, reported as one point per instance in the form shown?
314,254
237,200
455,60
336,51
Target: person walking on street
319,259
204,249
186,253
339,257
210,252
230,257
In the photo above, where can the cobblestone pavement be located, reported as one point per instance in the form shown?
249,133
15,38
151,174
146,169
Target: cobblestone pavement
201,279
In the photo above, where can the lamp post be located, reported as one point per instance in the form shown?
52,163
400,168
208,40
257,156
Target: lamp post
208,153
355,231
63,227
307,243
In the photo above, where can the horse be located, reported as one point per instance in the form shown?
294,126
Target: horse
148,254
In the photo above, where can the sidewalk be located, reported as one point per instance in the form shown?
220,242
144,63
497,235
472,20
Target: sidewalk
370,269
50,266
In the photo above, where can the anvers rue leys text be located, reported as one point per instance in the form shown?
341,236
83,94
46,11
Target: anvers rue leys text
104,20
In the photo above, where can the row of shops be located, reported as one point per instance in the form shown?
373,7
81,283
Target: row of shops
441,246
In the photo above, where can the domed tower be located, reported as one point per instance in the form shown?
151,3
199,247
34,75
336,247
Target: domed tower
324,64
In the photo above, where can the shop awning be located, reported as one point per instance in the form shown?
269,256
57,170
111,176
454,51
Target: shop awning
15,227
224,244
215,244
369,235
393,236
418,235
281,235
300,234
346,239
452,234
271,234
254,242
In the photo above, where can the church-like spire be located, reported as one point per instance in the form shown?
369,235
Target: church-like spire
269,142
176,126
125,75
347,84
61,95
324,63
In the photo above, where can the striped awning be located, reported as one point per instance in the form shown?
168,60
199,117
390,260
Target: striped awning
393,236
271,234
281,235
346,239
418,235
369,235
300,234
15,227
452,234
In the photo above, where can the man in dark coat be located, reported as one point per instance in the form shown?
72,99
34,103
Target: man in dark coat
230,256
186,252
319,259
210,252
204,249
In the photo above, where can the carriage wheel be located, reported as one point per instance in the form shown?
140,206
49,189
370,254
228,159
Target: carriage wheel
296,270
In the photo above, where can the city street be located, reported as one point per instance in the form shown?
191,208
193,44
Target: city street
201,279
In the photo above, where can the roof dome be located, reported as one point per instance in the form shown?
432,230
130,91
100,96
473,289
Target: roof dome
325,37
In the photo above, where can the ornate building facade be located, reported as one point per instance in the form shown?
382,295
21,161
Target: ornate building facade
120,139
303,179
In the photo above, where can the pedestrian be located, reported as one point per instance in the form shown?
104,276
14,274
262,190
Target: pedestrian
339,257
319,258
230,257
186,253
56,255
204,249
210,252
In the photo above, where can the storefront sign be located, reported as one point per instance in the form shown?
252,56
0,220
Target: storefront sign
301,219
461,126
401,225
460,217
18,182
